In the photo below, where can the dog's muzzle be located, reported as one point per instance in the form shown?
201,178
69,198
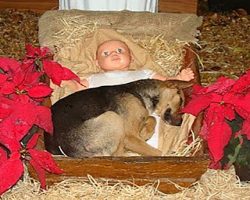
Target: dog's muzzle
172,119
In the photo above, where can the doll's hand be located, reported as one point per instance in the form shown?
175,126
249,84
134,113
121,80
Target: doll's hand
84,84
74,85
185,75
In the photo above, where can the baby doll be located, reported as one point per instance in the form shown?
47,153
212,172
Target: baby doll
113,57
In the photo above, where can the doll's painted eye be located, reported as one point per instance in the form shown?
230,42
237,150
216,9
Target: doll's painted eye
119,50
105,53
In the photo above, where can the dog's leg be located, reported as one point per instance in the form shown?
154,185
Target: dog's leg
121,148
147,129
137,145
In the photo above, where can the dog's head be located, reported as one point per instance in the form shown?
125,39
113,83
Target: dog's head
171,101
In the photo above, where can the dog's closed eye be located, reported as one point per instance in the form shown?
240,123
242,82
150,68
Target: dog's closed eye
181,102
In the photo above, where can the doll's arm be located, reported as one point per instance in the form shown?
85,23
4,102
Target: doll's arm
159,77
74,85
185,75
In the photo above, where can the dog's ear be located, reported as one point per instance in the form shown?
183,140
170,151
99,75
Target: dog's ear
178,84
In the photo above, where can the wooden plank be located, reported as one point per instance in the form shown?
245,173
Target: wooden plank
34,5
138,170
178,6
190,60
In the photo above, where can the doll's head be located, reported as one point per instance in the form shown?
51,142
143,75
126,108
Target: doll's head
113,55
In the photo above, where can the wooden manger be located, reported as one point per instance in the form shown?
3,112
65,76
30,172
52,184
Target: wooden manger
165,173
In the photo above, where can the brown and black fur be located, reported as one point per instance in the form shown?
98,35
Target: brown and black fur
109,120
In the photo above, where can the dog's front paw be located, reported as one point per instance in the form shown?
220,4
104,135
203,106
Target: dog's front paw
147,130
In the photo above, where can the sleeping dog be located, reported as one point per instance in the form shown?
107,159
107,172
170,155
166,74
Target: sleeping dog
109,120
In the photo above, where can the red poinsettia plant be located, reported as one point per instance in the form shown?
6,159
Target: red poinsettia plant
221,102
22,91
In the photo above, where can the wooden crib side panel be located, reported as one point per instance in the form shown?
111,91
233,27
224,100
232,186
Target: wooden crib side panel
162,172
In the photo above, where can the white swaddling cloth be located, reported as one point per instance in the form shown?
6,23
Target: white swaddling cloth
118,77
153,141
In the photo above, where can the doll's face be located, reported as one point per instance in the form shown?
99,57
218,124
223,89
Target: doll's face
113,55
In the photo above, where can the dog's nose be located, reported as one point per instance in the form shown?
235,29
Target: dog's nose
174,120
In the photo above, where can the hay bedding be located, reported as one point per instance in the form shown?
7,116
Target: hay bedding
214,185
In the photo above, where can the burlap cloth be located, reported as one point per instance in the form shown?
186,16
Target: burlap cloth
74,35
58,28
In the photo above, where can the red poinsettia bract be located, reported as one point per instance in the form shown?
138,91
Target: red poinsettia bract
220,102
21,93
